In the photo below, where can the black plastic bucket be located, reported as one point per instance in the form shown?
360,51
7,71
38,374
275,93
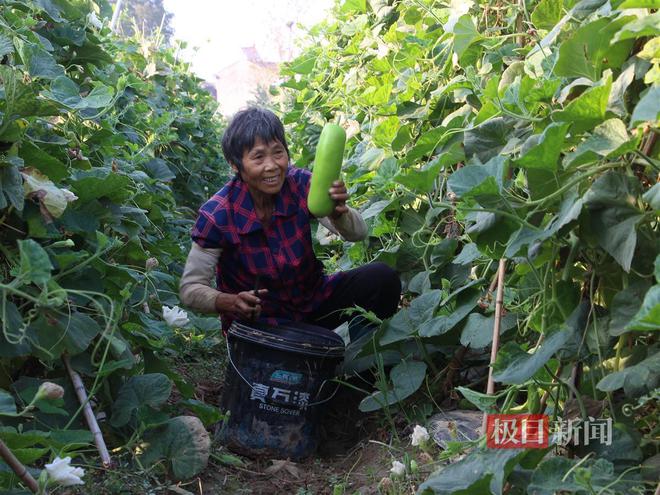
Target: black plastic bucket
277,378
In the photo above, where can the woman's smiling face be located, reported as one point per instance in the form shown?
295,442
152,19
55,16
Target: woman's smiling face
264,167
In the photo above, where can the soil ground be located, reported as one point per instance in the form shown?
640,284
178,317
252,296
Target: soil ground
353,458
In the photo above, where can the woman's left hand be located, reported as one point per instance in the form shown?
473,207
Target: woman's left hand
339,195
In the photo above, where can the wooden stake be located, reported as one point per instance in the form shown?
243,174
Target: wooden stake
499,302
79,387
20,470
520,39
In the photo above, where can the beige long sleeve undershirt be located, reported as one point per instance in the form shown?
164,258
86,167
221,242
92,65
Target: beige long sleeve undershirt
195,287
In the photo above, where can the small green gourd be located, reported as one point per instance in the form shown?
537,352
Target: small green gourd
327,165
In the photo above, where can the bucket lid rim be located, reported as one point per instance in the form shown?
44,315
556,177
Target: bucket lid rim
259,336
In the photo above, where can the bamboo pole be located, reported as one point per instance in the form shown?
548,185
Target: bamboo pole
115,16
499,302
16,465
79,387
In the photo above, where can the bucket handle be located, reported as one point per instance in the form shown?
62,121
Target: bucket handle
231,361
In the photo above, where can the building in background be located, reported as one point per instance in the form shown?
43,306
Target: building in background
237,46
239,83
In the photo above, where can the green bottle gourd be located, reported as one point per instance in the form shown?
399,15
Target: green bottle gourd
327,165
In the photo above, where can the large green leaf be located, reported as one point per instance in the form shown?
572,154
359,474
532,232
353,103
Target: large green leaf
182,442
648,317
624,450
6,46
208,414
468,254
478,329
588,109
29,456
406,378
636,379
27,438
515,365
11,186
547,13
559,474
648,108
151,390
482,182
38,62
542,150
53,335
465,33
444,323
7,404
12,322
484,402
35,264
652,196
648,25
102,182
614,220
33,156
588,51
66,92
421,180
609,140
639,4
422,307
406,321
352,6
480,472
625,305
158,169
487,139
427,143
616,231
612,189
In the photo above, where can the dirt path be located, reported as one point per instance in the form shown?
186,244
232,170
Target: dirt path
361,469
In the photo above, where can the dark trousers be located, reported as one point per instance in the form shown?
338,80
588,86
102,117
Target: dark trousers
375,287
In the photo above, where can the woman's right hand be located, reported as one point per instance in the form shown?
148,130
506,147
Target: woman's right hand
245,304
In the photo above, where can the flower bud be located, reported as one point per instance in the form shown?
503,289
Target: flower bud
50,391
151,263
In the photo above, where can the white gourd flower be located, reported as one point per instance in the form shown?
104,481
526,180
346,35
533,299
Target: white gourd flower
68,195
420,436
398,468
63,473
457,9
94,21
175,317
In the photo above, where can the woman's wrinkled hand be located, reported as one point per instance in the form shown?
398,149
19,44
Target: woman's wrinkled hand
246,305
339,195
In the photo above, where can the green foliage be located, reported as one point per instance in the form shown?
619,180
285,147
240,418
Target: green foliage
148,17
484,131
108,146
184,442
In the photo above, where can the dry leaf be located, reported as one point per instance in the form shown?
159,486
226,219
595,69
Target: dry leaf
286,465
179,490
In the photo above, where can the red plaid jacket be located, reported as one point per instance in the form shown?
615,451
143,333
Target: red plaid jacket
280,255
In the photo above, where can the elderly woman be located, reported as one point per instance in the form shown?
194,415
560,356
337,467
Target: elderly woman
255,236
